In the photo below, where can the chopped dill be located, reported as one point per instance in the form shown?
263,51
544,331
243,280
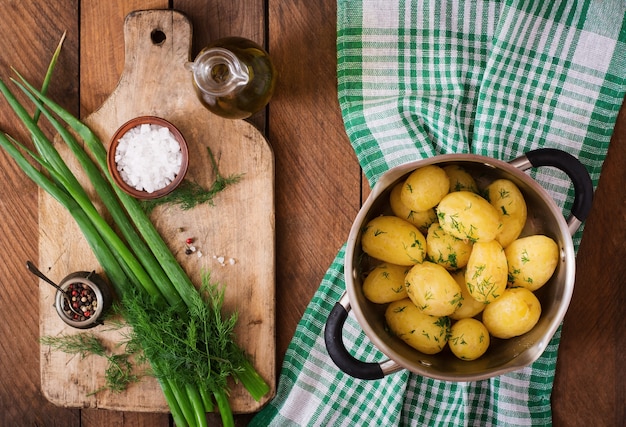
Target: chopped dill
82,344
190,194
119,372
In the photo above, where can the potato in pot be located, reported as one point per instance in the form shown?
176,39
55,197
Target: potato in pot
460,179
509,202
391,239
532,261
385,283
513,314
467,216
446,250
424,188
486,273
469,339
422,219
432,289
428,334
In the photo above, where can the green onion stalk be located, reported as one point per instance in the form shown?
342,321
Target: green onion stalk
180,329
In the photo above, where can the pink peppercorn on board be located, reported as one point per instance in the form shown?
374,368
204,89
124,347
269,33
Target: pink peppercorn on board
234,238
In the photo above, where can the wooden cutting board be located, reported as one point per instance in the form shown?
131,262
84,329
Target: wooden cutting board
239,226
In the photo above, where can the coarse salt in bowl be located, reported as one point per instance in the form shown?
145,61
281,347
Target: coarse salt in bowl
148,157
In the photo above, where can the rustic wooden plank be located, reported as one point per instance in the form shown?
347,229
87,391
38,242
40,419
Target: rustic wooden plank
28,36
155,82
213,20
101,65
100,418
102,47
589,384
216,19
318,179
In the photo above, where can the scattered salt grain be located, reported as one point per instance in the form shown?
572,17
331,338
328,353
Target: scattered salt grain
148,157
222,260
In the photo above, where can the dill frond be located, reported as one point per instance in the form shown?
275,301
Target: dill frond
120,371
190,194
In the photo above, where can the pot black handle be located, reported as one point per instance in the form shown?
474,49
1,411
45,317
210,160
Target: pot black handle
575,170
577,173
338,352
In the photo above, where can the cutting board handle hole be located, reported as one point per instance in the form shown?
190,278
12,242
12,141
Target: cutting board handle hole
158,37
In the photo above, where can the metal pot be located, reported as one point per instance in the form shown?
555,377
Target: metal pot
544,217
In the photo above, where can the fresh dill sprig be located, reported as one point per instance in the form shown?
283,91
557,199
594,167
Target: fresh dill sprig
83,344
120,371
196,348
119,374
190,194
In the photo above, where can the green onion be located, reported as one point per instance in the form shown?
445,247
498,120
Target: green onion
103,254
107,194
142,222
48,76
172,403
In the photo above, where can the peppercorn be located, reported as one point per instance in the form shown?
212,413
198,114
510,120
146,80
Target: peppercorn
83,300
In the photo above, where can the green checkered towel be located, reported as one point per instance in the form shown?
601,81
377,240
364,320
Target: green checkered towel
418,79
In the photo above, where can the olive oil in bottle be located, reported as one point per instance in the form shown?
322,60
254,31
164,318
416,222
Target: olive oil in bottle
234,77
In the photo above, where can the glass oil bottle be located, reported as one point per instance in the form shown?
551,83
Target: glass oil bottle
233,77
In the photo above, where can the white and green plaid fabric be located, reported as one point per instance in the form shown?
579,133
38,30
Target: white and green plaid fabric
421,78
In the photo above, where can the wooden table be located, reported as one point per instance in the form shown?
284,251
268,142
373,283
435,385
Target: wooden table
318,187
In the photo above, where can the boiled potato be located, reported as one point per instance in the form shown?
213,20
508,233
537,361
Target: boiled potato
447,250
422,219
516,312
509,202
391,239
469,339
432,289
532,261
469,306
486,272
428,334
385,283
424,188
468,216
460,179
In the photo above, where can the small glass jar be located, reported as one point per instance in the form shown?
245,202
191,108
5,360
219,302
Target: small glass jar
97,297
234,77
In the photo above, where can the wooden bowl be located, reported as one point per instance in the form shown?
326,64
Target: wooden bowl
112,165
